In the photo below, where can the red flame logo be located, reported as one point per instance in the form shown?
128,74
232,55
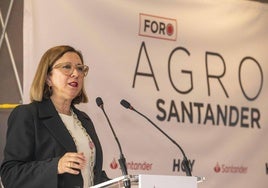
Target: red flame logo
217,168
114,164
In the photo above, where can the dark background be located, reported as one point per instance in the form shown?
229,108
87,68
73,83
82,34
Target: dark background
9,92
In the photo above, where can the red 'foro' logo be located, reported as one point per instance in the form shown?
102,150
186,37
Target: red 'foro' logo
114,164
217,168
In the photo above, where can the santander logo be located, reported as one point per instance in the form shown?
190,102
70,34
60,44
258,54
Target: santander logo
131,165
230,169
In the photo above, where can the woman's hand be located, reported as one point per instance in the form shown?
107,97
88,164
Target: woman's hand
71,163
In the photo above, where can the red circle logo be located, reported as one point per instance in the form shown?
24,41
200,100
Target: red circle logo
170,29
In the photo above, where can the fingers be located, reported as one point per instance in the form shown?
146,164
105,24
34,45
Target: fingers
71,163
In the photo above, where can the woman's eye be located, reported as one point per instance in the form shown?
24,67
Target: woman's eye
80,68
67,66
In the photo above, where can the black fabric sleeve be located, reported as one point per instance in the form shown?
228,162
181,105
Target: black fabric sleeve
20,168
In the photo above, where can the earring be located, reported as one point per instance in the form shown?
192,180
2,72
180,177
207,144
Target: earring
50,90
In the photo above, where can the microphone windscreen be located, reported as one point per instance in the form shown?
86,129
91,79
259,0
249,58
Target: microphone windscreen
99,101
125,103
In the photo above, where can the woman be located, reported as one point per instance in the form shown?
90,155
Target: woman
50,143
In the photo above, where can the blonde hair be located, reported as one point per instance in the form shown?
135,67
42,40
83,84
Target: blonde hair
40,89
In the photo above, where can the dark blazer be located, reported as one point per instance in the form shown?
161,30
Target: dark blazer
36,140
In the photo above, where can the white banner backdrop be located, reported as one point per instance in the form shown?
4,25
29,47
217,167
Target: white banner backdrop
198,69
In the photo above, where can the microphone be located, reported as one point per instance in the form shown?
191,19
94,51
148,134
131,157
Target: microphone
185,161
122,159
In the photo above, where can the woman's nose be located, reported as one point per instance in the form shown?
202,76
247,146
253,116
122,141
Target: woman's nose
75,72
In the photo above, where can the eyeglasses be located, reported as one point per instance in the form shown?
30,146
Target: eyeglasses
68,68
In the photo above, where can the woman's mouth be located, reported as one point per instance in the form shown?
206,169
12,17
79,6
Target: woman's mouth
73,84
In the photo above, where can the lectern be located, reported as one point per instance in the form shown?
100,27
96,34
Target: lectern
158,181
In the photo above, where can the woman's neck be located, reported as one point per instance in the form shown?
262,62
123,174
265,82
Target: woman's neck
62,106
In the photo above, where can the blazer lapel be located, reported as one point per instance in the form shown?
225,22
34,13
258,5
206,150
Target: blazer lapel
51,119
